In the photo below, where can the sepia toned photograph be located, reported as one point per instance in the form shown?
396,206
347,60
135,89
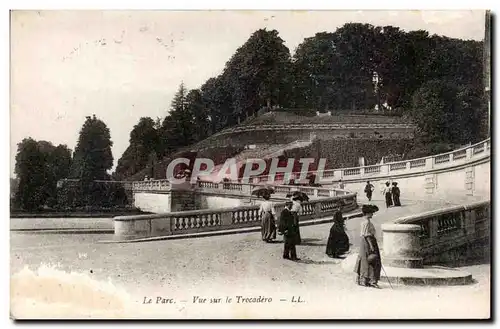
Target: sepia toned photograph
250,165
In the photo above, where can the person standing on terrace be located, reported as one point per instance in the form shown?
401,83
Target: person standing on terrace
387,192
369,190
395,194
268,215
290,230
296,206
368,264
338,241
341,184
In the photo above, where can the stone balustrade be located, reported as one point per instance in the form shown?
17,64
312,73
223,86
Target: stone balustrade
234,188
436,235
413,166
317,126
441,161
185,222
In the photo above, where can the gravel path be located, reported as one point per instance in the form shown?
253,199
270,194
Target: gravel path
240,264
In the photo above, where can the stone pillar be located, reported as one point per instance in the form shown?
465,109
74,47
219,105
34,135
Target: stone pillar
161,226
246,189
124,229
429,163
402,245
317,210
227,218
468,153
384,169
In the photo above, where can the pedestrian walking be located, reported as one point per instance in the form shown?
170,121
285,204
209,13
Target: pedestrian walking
290,230
338,241
369,190
296,206
368,264
267,215
395,194
388,194
341,184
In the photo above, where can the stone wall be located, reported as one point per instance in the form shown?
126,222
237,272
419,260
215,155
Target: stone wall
283,135
220,202
153,202
441,236
445,184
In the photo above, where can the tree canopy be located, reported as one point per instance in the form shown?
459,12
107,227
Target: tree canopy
357,68
39,165
92,157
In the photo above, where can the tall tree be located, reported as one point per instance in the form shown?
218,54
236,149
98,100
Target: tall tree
39,165
92,157
258,74
199,114
178,129
217,98
316,73
354,43
144,140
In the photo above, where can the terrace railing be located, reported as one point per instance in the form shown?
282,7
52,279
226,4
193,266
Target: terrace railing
198,221
428,237
441,161
450,159
235,188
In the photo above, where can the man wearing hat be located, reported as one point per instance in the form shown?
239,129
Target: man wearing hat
369,190
395,194
290,230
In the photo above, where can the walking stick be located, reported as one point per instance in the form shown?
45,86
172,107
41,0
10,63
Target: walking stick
386,275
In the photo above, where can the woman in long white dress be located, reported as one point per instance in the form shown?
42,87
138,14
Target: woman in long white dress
368,263
387,194
268,215
295,211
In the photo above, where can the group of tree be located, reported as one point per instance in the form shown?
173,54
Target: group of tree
39,165
41,168
355,68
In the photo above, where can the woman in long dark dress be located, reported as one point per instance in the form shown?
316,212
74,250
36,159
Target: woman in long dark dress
395,194
268,215
338,241
368,264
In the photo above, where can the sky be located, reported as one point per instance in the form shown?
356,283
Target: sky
124,65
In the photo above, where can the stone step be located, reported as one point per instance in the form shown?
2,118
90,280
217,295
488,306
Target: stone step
428,275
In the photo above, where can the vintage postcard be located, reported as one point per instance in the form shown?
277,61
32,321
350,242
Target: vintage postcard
250,164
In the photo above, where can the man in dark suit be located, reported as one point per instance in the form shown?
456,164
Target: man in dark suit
290,230
369,190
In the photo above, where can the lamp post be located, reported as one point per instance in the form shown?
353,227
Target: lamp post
376,80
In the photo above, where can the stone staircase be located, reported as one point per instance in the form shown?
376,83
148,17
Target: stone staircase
290,146
259,152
